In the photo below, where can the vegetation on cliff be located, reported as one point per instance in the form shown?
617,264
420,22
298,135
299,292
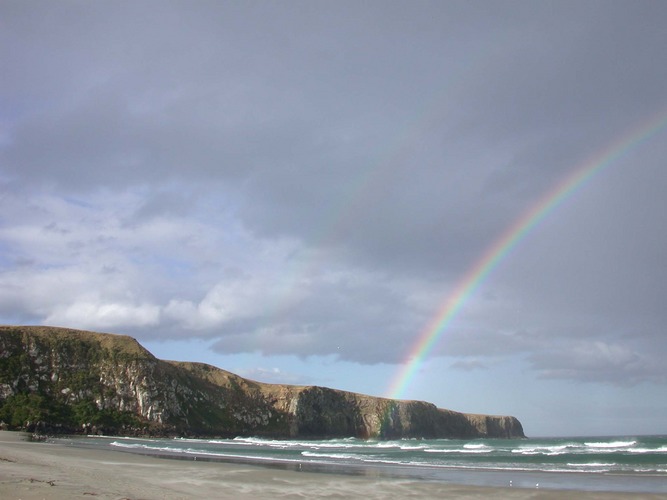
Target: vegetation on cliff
63,380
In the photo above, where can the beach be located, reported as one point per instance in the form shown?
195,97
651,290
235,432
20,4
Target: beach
37,470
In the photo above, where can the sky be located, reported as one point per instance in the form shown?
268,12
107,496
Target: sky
291,191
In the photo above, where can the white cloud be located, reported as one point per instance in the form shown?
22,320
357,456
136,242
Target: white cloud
105,316
274,376
233,300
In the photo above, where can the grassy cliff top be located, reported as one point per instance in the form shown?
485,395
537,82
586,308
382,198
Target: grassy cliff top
106,341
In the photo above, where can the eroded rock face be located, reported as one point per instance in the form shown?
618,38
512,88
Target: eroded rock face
69,376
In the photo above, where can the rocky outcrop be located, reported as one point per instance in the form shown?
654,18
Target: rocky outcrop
72,380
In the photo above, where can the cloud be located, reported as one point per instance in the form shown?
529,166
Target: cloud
599,361
105,316
234,300
348,315
274,376
469,365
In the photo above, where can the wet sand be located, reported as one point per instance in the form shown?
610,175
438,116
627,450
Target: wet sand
32,470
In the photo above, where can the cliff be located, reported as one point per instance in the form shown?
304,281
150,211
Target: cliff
57,379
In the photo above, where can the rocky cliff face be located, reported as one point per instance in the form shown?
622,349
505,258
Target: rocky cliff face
71,380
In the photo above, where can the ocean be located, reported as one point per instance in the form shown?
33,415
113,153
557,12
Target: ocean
623,464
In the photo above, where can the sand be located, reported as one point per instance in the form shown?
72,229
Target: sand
33,470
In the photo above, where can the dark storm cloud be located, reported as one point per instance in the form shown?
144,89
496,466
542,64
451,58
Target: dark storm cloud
222,156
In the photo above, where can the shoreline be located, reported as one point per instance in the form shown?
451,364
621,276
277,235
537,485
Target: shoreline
36,470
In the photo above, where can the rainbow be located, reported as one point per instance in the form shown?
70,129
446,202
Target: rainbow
502,246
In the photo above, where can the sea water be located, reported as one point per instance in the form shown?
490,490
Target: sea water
625,464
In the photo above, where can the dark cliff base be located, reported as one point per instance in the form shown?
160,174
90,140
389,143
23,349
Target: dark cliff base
62,380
